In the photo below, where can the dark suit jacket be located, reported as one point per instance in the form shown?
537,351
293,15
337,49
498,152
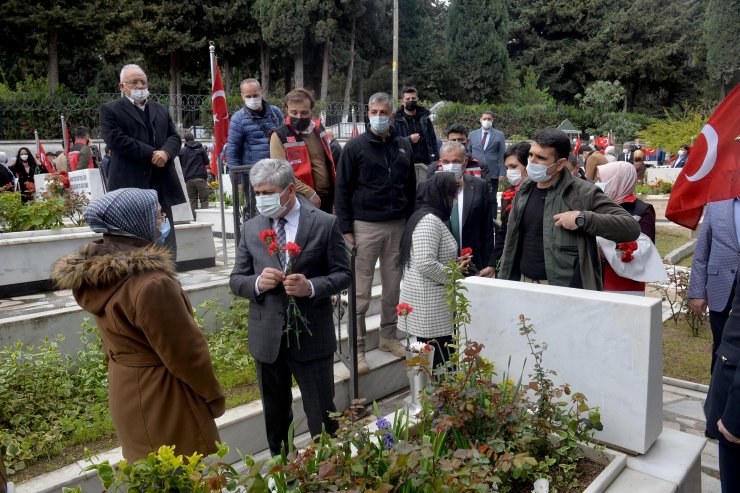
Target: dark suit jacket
626,157
323,260
124,131
723,398
477,225
492,158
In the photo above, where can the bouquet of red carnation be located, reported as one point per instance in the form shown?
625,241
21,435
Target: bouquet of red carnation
292,250
30,187
627,248
508,195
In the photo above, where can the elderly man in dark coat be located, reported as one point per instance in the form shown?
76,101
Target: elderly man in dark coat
144,142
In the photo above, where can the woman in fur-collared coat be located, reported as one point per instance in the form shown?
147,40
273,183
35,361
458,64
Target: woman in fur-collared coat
162,389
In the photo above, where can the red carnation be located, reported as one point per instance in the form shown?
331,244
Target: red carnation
63,173
268,236
273,248
402,309
508,194
292,249
65,182
627,248
466,251
30,187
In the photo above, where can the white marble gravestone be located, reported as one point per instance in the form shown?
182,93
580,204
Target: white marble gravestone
607,346
87,181
181,213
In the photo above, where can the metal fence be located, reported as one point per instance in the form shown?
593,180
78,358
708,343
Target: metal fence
21,114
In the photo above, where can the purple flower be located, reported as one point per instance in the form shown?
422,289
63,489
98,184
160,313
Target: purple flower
389,441
383,424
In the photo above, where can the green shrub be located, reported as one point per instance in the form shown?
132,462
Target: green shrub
49,399
41,214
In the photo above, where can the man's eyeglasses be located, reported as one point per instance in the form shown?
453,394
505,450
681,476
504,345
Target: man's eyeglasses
134,83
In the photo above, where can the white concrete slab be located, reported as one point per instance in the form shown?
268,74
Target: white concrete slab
181,213
608,346
674,457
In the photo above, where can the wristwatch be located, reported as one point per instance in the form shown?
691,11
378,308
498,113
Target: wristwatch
581,219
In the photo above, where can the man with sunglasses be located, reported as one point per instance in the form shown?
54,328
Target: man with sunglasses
550,238
144,142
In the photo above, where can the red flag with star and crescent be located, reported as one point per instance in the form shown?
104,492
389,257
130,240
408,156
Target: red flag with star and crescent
712,171
44,159
220,117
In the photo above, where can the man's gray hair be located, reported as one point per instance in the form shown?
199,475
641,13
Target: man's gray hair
451,146
130,66
250,81
272,172
380,97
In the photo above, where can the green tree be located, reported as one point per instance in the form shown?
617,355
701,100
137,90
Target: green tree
722,31
477,33
673,131
602,96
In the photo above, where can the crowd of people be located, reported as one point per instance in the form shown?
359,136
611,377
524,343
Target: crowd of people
406,202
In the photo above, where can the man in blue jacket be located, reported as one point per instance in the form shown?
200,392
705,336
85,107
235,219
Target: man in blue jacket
487,145
251,126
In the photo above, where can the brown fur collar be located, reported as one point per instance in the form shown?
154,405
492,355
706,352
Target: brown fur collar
105,262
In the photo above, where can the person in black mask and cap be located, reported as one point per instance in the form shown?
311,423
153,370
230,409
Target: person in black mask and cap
427,247
303,143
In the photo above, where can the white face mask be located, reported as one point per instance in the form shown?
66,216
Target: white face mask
24,157
269,205
453,168
139,95
681,152
486,124
379,123
253,103
514,176
626,151
538,172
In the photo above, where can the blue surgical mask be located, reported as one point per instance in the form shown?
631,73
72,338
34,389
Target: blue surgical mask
379,123
269,205
164,231
538,172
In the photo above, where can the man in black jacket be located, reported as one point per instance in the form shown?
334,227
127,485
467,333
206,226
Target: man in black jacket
376,189
722,407
144,142
414,122
194,160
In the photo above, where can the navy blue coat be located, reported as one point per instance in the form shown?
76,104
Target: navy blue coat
723,398
249,134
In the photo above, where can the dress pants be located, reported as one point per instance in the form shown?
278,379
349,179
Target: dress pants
717,321
315,378
378,240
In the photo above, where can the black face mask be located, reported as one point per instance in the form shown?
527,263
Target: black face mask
411,105
300,124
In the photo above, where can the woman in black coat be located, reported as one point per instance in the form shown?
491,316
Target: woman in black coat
24,170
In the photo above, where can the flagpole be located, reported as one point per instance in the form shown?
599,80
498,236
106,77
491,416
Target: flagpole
65,137
212,50
38,149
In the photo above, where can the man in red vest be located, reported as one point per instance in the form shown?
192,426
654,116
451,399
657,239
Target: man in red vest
303,143
80,155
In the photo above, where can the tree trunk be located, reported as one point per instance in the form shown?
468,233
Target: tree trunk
52,67
325,71
298,67
265,69
175,88
350,70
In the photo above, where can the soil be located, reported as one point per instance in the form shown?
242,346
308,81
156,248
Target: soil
68,456
586,472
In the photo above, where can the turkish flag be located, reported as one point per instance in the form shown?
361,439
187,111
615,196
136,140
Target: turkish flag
220,117
44,159
578,145
712,171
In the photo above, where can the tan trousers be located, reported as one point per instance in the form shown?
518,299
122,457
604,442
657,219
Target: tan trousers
378,240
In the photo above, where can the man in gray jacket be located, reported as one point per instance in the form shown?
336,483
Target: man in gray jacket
487,145
284,347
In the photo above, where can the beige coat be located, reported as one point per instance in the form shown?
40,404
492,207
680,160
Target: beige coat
162,389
